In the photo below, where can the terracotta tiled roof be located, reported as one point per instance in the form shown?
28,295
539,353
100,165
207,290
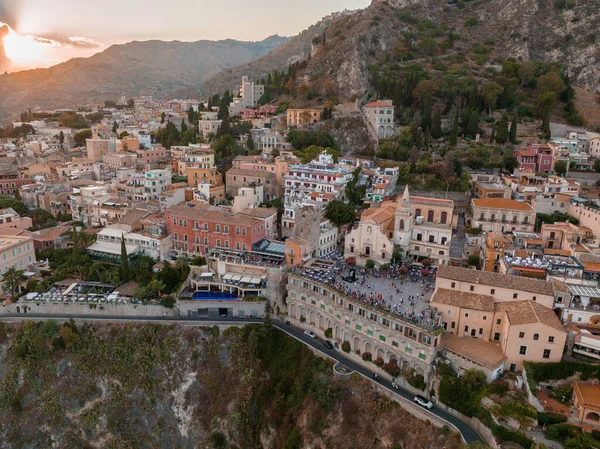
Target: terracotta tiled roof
259,212
213,214
463,299
502,203
255,173
486,353
529,312
587,394
495,279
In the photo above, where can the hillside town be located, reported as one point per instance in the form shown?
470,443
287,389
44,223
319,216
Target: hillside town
233,207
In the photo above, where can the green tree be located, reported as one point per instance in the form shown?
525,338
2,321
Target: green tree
81,136
545,103
597,165
546,131
184,127
162,117
61,137
124,260
473,260
490,92
370,264
509,161
512,135
502,130
11,280
473,126
551,82
340,213
580,441
560,168
453,139
436,125
157,286
115,127
223,108
250,142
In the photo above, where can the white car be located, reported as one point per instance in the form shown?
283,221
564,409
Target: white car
423,402
310,334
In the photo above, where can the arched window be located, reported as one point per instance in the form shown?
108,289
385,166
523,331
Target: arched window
592,416
466,315
401,225
536,336
430,214
417,212
444,217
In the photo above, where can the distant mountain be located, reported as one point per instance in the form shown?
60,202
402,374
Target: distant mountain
138,68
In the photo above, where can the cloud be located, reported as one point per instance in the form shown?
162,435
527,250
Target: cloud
68,42
84,42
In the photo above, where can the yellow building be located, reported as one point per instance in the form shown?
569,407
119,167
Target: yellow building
302,117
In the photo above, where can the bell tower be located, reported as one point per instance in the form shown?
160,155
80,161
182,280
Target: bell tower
403,221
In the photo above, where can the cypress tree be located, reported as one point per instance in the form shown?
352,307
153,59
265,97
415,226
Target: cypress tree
162,117
115,127
473,125
436,125
250,142
454,134
546,126
184,127
513,130
124,260
426,119
502,130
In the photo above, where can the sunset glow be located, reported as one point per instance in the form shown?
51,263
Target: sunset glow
25,49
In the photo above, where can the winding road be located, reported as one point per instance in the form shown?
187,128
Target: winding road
468,434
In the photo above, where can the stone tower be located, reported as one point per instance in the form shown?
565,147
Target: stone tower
403,221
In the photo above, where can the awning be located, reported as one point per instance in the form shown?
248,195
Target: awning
580,290
228,276
236,277
246,279
255,281
206,275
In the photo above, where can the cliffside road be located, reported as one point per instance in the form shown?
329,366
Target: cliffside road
468,433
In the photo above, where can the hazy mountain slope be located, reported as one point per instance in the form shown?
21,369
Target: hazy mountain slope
151,67
522,29
170,387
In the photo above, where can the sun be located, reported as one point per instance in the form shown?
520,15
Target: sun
22,48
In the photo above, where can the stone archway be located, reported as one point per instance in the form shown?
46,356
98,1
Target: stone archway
392,357
389,131
292,312
380,354
321,322
312,320
405,366
368,347
356,344
18,309
336,332
593,416
329,324
420,372
302,313
381,132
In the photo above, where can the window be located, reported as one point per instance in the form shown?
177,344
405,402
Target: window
498,321
492,291
523,350
466,315
472,288
521,334
515,295
243,231
484,317
453,325
466,328
536,336
453,285
497,336
534,298
546,354
550,339
426,339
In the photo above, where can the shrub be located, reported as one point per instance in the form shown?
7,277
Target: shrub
563,431
510,435
379,362
392,368
367,357
218,440
550,418
499,388
329,333
370,264
303,319
346,346
540,372
472,22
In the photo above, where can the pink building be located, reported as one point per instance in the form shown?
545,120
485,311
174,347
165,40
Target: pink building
537,157
153,155
267,109
248,114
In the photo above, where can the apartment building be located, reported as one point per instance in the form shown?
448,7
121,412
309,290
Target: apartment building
303,117
238,178
313,184
16,250
380,116
537,157
496,244
500,214
206,127
249,94
490,190
9,218
11,182
318,306
145,186
153,155
267,139
75,169
97,147
195,230
514,311
586,211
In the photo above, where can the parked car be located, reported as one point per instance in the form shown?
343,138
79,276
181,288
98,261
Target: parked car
288,323
310,334
327,344
423,402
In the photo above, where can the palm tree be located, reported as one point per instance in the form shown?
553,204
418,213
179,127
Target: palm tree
156,286
181,263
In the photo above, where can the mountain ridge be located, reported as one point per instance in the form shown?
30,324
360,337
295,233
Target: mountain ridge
152,67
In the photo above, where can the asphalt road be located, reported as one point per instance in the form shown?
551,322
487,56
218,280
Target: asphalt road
467,432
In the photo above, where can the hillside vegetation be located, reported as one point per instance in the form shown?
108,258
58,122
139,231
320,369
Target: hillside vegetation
149,386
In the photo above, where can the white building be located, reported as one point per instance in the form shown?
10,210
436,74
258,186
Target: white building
380,115
206,127
313,184
249,95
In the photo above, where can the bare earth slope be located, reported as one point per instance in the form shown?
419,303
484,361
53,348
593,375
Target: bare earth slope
138,68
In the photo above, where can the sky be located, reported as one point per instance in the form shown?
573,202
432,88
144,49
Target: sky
41,33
